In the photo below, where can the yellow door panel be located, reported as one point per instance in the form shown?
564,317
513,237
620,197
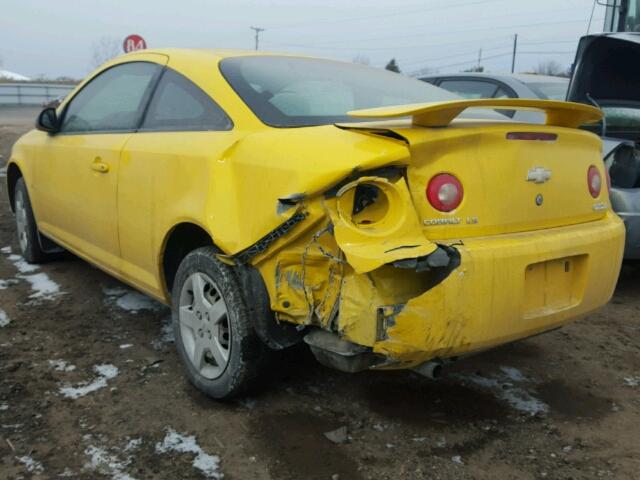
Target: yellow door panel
80,192
160,184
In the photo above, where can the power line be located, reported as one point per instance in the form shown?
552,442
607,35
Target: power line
400,47
448,32
491,57
446,57
384,15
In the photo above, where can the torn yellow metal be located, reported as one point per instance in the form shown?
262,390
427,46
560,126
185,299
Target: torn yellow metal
389,232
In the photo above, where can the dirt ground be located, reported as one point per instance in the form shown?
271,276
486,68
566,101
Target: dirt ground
91,388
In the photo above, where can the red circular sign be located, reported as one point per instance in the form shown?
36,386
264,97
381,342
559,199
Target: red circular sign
133,43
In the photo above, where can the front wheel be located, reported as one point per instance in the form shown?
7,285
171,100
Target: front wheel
214,334
26,228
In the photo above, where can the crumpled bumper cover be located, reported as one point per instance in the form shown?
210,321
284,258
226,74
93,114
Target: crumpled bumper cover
506,288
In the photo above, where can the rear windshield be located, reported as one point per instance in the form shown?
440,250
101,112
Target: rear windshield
550,90
297,92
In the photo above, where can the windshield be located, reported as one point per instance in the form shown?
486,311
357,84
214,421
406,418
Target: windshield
631,22
295,92
550,90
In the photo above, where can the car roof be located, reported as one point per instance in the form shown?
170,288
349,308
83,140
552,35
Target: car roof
215,53
505,78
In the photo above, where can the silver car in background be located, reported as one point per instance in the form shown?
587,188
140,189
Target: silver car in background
486,85
607,74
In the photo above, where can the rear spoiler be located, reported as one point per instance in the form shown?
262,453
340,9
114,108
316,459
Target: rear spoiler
440,114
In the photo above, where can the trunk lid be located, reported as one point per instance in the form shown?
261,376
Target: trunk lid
505,182
510,185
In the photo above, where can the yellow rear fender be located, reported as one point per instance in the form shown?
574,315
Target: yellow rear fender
327,253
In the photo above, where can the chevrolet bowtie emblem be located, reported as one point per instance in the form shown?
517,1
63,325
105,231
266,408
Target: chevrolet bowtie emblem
538,175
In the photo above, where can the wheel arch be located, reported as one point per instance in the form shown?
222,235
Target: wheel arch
13,175
181,239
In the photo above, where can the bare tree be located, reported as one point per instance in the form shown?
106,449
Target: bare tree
103,50
550,67
424,71
392,66
362,59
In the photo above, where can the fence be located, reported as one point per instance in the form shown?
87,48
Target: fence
32,93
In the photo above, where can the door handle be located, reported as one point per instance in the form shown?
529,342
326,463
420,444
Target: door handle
99,166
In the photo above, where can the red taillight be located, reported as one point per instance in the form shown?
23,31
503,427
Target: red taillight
594,181
444,192
544,137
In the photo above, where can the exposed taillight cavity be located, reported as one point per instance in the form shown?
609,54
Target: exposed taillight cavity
444,192
539,136
594,181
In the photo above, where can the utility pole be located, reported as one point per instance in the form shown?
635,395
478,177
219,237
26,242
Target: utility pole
515,49
479,59
257,30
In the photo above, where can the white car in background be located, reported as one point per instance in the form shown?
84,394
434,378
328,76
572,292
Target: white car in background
486,85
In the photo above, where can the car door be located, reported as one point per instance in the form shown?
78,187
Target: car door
165,172
79,165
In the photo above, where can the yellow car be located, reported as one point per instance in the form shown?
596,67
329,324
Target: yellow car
272,199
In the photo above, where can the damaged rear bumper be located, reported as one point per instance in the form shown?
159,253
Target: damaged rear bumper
506,288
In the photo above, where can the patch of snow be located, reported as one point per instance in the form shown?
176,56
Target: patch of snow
209,465
61,366
4,319
130,300
43,287
7,283
513,374
502,385
32,466
6,250
124,346
3,407
632,381
105,372
133,444
13,76
100,460
21,264
111,464
457,459
166,335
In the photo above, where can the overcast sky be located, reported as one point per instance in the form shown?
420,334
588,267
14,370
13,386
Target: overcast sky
55,38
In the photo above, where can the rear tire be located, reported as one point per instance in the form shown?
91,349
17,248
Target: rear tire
221,352
28,236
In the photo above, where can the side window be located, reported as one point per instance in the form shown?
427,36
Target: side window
469,88
179,105
111,101
502,93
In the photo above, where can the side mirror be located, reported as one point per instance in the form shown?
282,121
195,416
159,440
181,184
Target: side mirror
48,120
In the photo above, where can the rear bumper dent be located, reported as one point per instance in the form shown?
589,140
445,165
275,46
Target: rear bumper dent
508,287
